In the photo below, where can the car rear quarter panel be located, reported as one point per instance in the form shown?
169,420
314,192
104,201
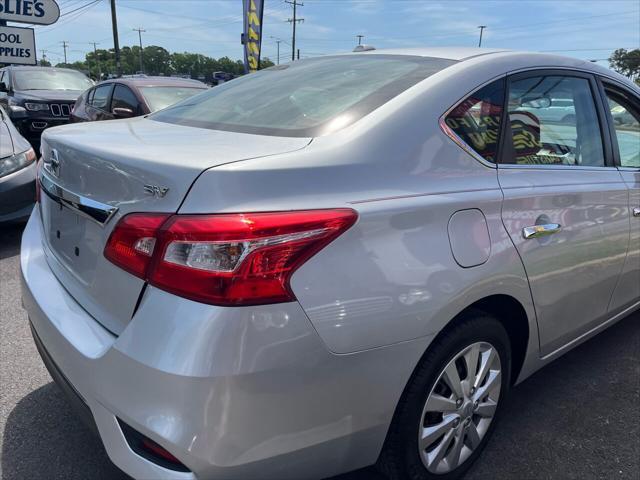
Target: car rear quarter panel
392,277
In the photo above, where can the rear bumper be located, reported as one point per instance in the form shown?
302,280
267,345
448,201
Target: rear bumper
18,194
233,393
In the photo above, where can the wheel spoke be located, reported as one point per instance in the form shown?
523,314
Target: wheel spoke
432,433
438,403
486,360
473,437
487,409
453,458
435,456
493,381
471,360
452,379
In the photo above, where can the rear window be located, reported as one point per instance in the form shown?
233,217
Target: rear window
306,98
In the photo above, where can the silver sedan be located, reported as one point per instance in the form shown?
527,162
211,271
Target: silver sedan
338,262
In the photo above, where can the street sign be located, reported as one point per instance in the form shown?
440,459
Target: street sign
17,45
39,12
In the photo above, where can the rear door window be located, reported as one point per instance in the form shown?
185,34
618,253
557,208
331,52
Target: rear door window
552,120
100,98
476,120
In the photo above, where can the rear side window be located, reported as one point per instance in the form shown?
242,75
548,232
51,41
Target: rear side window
476,120
306,98
123,97
552,120
100,98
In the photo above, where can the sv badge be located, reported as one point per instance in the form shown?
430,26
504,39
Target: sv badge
155,190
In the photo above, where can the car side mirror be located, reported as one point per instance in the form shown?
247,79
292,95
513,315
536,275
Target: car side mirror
122,112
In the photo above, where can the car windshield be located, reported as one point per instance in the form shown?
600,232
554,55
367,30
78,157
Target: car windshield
50,79
306,98
161,97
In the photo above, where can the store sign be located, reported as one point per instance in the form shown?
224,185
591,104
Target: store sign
38,12
17,45
252,35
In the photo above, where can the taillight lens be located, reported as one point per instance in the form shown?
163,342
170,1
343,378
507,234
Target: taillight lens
229,259
132,242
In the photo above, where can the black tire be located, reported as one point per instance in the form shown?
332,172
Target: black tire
400,458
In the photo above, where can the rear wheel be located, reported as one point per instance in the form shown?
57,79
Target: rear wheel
450,406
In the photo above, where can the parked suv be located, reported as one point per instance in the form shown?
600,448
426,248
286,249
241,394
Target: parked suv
40,97
132,97
342,261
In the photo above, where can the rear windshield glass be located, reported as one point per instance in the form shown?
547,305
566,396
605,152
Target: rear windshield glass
160,97
306,98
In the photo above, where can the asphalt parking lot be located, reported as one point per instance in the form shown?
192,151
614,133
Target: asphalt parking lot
578,418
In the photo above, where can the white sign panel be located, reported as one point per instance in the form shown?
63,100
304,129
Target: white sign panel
39,12
17,45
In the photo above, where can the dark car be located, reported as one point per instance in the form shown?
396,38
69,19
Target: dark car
132,96
40,97
17,172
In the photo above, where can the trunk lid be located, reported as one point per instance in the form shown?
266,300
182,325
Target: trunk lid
119,167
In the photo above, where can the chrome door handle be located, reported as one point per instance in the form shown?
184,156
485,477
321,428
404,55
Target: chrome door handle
636,212
537,231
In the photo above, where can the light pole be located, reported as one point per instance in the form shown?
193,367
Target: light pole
278,48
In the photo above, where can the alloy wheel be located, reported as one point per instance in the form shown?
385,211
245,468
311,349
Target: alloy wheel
460,408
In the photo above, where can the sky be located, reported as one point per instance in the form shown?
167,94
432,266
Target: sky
586,29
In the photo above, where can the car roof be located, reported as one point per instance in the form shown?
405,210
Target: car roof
144,81
520,59
448,53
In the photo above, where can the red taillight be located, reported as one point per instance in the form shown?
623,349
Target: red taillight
227,259
132,242
155,449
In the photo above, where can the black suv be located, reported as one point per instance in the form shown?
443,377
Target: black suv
40,97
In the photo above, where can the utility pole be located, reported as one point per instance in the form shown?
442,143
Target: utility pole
360,37
95,55
481,27
44,56
140,30
293,21
65,44
116,44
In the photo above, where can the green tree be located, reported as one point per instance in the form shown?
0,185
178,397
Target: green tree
626,62
266,63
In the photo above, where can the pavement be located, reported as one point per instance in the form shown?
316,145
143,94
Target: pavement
578,418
